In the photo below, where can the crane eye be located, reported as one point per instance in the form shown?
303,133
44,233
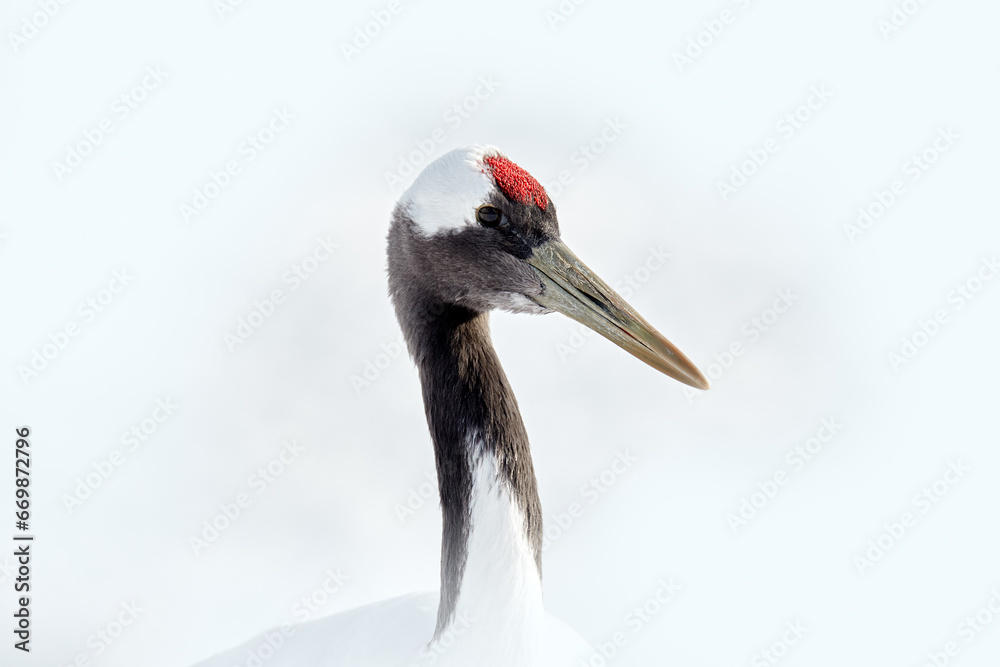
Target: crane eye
489,216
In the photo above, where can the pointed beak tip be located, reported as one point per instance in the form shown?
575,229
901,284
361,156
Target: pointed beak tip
691,376
701,382
573,289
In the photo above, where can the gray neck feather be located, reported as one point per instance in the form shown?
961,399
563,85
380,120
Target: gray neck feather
467,400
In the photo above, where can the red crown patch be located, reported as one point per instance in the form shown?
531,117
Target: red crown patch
518,184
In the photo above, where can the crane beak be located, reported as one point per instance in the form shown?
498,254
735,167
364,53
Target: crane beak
575,291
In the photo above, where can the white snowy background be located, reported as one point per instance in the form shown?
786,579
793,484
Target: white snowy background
115,116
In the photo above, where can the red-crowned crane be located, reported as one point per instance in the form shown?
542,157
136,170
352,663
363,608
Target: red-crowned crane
474,233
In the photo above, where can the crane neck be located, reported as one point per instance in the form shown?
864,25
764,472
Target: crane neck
492,520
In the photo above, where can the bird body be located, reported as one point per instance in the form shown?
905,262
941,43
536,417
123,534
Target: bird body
395,633
475,233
